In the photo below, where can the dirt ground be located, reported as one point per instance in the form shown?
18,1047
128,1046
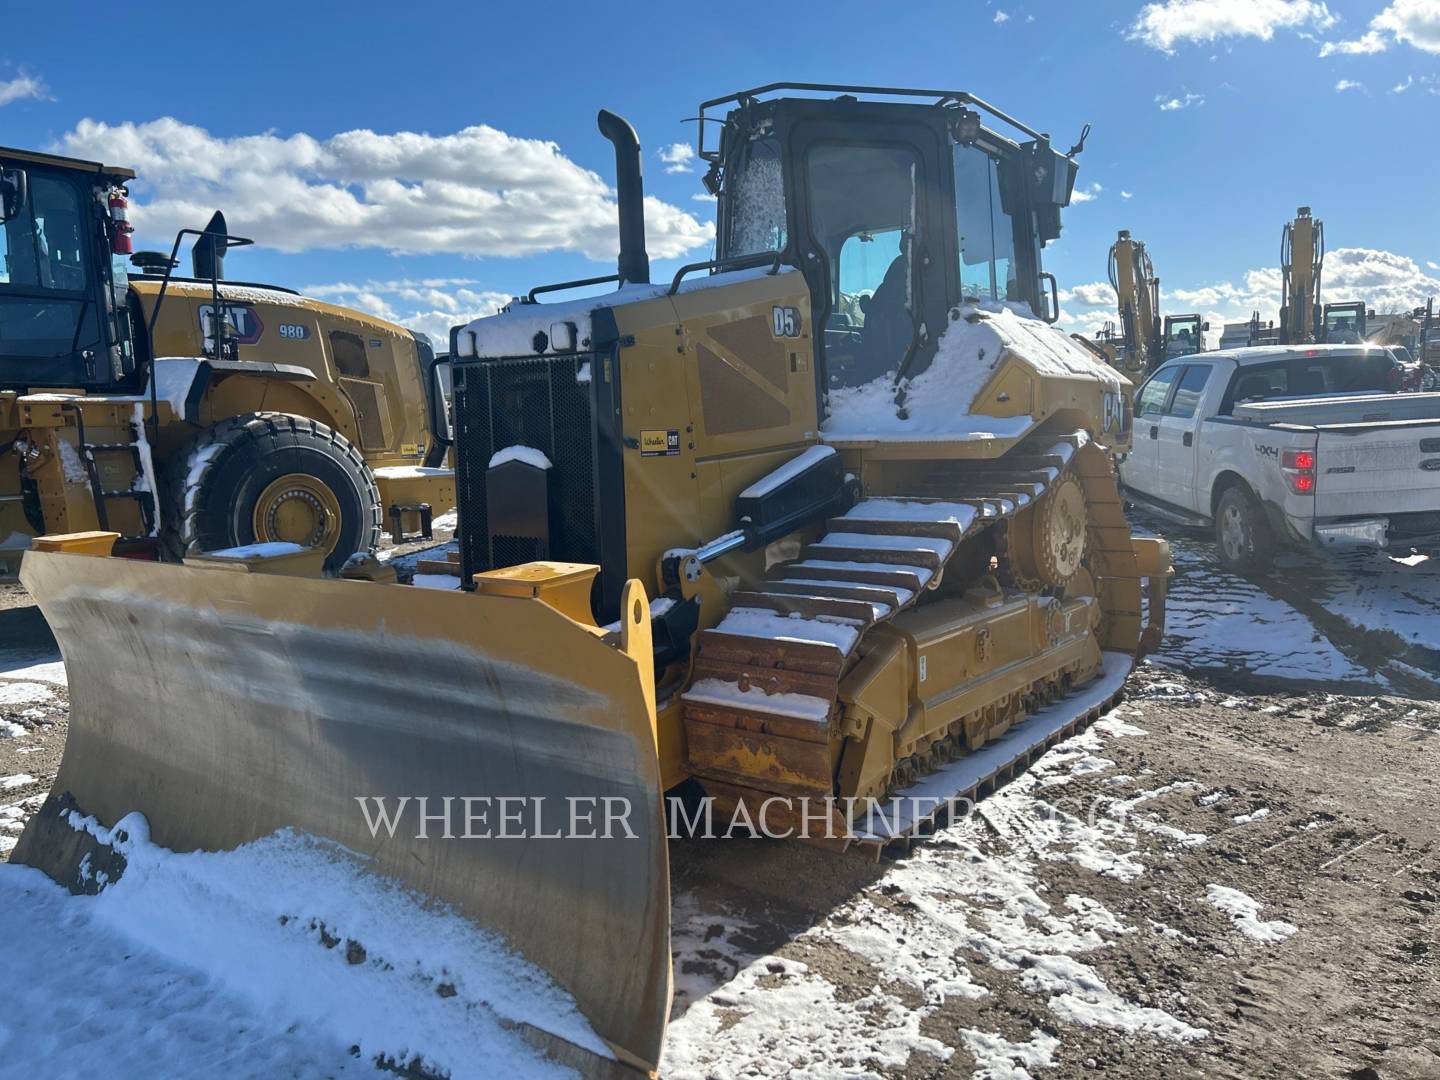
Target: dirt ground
1253,892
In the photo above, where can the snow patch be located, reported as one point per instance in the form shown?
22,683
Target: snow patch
996,1058
325,956
1244,911
528,454
942,402
810,456
762,623
24,693
268,550
436,581
16,781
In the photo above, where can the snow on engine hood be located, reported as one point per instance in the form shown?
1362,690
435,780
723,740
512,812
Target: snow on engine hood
512,332
939,401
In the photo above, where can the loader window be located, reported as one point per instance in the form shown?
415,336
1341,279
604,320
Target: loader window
987,235
44,310
862,217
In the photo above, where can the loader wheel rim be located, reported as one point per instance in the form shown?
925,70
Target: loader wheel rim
298,509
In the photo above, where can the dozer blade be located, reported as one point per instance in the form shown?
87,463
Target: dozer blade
225,706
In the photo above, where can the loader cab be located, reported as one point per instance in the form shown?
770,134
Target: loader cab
896,211
64,316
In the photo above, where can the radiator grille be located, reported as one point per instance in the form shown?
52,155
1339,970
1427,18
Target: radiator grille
535,402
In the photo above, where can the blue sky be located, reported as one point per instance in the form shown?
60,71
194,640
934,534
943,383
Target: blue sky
1211,122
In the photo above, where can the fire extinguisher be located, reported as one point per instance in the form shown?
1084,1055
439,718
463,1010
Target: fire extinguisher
120,243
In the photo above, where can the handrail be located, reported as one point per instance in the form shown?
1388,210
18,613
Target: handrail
943,97
734,262
561,286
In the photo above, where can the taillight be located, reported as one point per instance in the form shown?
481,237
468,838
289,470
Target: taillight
120,243
1298,468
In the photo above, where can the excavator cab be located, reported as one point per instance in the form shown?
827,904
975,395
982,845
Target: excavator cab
895,210
1183,335
1345,324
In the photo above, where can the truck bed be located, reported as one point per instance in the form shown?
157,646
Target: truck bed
1342,409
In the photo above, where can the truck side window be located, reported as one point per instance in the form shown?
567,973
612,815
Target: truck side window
1255,384
1152,397
1187,394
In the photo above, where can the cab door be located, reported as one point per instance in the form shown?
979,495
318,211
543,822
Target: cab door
1176,443
1138,471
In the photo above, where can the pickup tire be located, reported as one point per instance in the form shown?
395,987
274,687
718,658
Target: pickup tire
1242,533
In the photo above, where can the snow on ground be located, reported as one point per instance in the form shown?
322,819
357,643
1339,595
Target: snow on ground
1218,620
24,693
1244,911
39,665
281,957
1375,591
971,891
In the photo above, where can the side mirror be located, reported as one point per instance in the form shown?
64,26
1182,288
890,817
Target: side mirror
1205,326
442,417
14,193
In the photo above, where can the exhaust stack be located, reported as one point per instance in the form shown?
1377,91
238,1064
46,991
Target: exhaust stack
634,263
207,257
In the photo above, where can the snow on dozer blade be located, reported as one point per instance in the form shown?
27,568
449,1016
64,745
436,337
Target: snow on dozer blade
225,706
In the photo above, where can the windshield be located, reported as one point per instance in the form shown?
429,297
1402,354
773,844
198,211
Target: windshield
43,308
757,216
987,235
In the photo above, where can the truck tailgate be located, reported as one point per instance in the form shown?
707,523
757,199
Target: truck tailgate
1377,469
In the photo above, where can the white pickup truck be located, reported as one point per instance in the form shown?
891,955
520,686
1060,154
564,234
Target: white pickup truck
1288,444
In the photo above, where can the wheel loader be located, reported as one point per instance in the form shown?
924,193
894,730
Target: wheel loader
824,529
193,414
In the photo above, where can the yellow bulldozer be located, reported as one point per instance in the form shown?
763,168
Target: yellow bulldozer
194,413
825,528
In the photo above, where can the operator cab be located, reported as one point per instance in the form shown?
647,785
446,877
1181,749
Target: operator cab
1182,335
895,210
1345,324
64,317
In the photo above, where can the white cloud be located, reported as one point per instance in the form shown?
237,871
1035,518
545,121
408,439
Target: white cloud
1176,103
23,88
478,192
678,157
1086,194
1383,280
1348,84
430,305
1001,17
1367,43
1163,25
1097,294
1127,194
1401,87
703,196
1403,22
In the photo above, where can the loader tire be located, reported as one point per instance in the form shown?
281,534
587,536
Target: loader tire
264,477
1242,534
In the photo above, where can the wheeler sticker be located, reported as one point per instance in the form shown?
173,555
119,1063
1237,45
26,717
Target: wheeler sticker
242,319
660,443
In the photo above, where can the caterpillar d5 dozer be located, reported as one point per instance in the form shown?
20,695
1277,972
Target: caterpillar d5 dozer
869,490
193,414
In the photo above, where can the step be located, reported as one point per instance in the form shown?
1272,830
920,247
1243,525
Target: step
810,605
928,551
913,578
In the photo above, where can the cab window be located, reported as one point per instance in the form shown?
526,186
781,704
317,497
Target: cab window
987,234
862,216
1154,393
1188,392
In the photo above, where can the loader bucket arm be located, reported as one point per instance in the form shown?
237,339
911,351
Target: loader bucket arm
225,706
